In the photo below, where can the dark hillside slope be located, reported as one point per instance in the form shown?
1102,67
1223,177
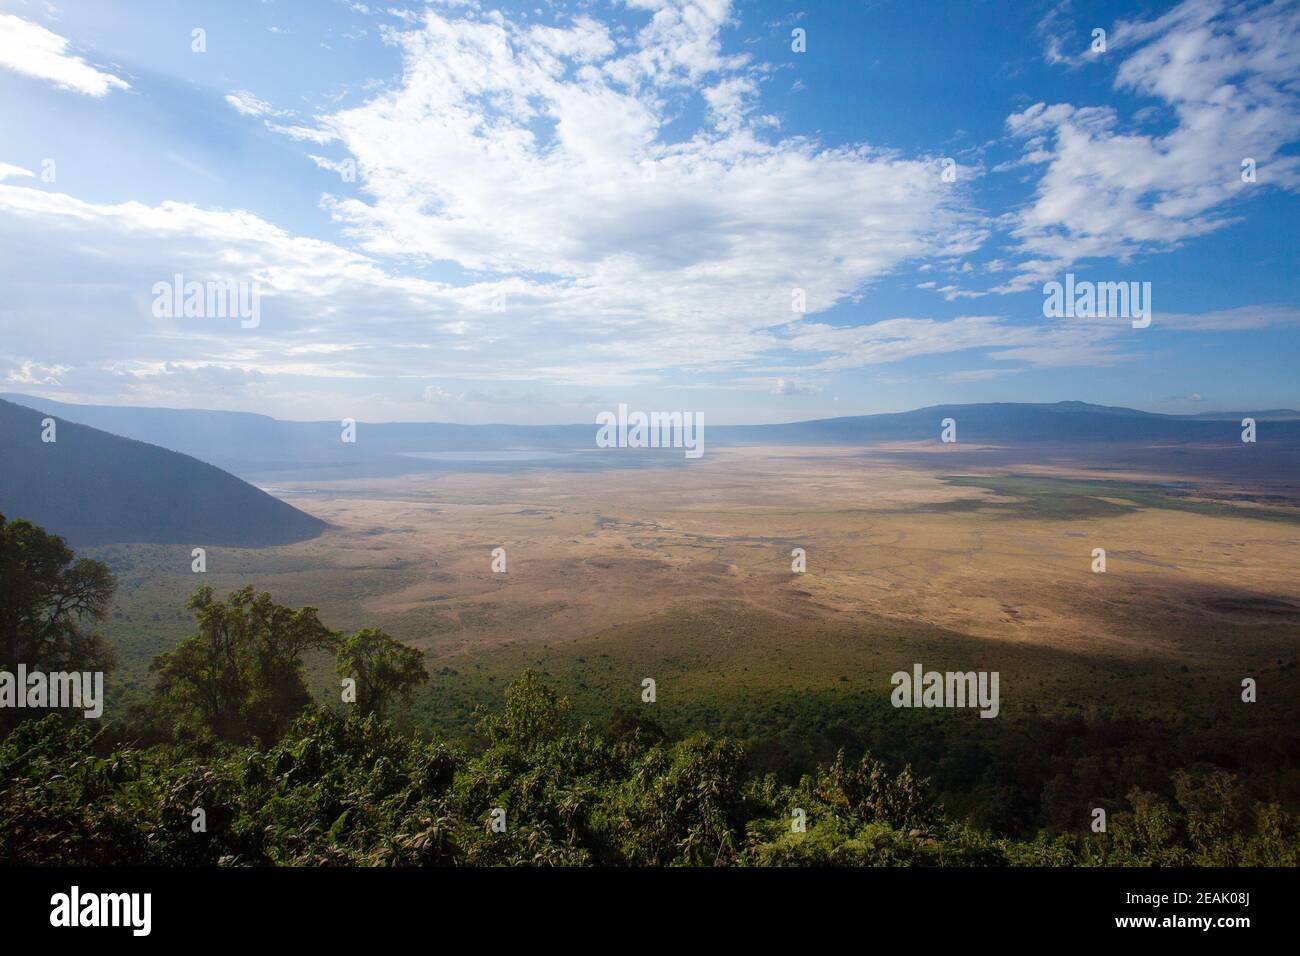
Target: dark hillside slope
94,488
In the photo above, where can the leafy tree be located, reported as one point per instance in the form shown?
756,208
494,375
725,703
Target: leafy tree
534,714
865,793
684,804
382,667
46,599
240,676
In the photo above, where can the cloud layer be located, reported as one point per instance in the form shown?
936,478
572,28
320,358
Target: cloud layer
1226,75
602,205
32,50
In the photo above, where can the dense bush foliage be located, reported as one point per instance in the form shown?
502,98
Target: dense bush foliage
351,790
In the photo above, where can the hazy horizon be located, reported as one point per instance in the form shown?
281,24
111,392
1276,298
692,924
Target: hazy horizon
1208,412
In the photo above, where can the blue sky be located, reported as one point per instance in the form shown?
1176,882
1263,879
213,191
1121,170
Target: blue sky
530,212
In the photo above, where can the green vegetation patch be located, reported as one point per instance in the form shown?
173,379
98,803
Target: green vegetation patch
1065,499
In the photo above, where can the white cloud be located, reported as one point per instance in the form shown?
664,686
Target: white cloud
302,133
1059,21
34,373
335,167
785,386
602,240
978,375
435,394
332,316
30,49
893,340
249,104
1230,320
1229,80
542,151
951,293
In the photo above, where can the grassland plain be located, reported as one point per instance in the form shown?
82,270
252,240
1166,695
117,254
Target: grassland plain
684,575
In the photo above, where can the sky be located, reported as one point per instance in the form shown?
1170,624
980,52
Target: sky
531,212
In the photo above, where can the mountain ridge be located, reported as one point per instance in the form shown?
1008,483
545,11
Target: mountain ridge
93,487
252,445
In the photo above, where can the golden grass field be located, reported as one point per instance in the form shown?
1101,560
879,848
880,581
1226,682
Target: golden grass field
684,574
587,552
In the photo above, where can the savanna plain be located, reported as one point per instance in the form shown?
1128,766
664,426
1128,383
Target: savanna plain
970,559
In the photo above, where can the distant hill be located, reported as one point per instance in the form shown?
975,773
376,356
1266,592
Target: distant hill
95,488
1011,423
1263,415
248,444
256,445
